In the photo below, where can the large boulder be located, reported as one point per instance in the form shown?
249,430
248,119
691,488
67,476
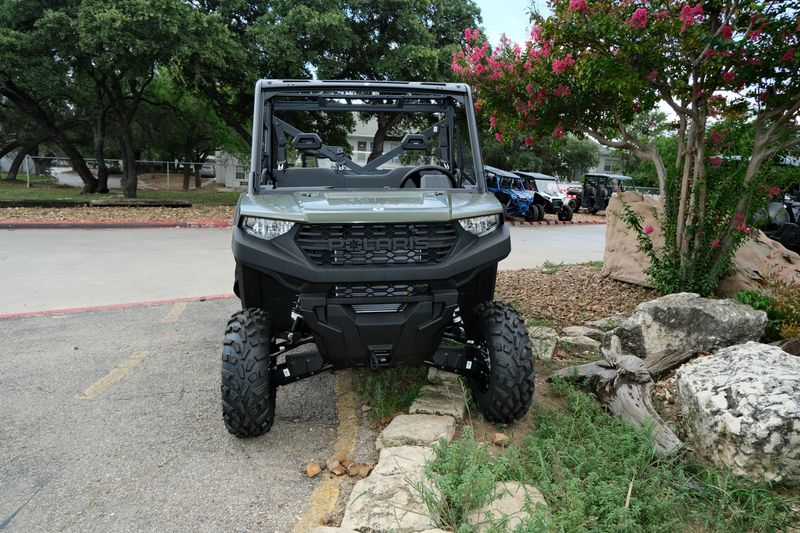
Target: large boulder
757,259
742,406
685,322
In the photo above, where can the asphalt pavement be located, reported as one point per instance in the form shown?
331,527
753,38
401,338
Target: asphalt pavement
66,268
111,422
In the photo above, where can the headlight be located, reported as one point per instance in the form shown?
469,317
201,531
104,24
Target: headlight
480,225
266,228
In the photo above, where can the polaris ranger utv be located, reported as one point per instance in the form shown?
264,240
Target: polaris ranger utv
375,253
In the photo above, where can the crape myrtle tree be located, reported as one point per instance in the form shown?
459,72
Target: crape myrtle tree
594,65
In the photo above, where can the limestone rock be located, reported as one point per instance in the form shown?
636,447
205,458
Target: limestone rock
580,345
543,341
685,321
387,500
585,331
755,260
440,400
742,405
511,502
442,377
416,430
328,529
606,323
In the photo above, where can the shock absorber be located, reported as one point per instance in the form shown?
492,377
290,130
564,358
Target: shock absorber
297,317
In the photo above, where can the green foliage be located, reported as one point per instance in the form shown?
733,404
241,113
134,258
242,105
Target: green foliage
388,391
600,68
586,463
548,267
763,302
565,159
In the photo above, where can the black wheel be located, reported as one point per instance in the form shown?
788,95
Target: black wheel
565,214
593,211
573,204
532,214
540,215
248,397
503,390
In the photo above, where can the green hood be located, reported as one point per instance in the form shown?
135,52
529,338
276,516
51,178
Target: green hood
345,206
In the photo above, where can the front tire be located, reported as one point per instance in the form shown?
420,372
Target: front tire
565,214
504,390
248,396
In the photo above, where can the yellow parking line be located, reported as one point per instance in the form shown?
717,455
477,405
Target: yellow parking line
112,377
323,499
175,313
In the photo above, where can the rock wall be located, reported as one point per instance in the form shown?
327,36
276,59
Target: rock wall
756,260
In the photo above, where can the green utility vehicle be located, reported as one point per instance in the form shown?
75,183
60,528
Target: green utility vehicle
367,231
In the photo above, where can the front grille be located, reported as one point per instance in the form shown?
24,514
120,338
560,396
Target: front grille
376,244
379,291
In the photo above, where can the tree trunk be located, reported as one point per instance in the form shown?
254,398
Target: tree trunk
31,108
100,153
129,176
4,150
19,158
198,181
385,123
623,383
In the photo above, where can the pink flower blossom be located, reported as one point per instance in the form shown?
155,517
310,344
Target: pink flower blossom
726,33
715,243
560,65
715,161
774,191
528,141
661,15
498,137
578,6
744,229
789,55
562,90
729,76
739,217
652,76
639,19
456,67
558,133
689,15
468,34
648,230
536,34
493,121
529,88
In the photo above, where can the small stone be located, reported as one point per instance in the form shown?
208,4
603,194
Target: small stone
500,439
508,504
333,464
416,430
328,529
584,331
580,345
312,469
606,324
359,470
366,408
338,471
543,342
440,400
441,377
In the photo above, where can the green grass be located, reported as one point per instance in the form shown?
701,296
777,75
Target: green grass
597,265
549,267
584,462
44,188
388,391
540,323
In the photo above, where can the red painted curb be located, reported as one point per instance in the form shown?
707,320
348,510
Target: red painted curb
116,306
556,222
116,225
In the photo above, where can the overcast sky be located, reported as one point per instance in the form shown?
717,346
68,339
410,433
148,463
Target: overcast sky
508,16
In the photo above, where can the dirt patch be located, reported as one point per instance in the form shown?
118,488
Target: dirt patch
116,214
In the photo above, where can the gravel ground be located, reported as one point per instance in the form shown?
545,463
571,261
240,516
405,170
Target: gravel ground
577,217
116,214
569,296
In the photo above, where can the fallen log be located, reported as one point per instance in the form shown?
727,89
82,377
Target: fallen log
659,364
624,385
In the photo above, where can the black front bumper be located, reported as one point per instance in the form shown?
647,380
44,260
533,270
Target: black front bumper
354,318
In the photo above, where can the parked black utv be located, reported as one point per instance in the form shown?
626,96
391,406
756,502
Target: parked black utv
598,188
783,224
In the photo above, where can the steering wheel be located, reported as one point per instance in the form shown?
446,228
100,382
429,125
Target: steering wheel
415,172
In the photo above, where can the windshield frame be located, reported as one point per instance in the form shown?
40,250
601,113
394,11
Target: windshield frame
402,97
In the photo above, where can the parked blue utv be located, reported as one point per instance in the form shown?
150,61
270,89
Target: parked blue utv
511,192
